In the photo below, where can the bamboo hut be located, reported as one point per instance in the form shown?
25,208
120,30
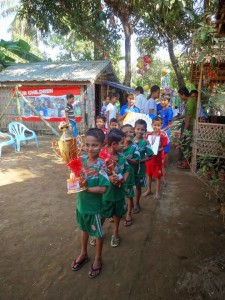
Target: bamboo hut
45,85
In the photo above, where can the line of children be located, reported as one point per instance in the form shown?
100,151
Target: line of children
106,192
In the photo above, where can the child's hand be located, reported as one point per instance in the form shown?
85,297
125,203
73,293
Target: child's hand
113,179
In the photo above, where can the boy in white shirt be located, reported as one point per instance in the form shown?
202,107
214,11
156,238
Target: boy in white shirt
151,106
140,99
111,111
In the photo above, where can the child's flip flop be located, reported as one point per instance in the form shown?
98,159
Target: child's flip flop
77,265
94,272
128,223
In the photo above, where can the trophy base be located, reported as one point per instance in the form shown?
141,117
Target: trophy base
76,191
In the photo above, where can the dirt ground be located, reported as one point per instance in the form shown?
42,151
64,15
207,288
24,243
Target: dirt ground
174,250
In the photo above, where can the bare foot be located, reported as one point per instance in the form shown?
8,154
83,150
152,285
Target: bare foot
157,196
148,192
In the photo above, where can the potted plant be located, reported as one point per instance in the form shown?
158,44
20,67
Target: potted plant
221,173
206,167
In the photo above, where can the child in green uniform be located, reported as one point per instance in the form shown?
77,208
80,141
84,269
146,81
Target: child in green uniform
89,202
146,153
113,201
132,155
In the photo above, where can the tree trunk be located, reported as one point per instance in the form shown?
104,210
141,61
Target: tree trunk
174,61
127,33
99,52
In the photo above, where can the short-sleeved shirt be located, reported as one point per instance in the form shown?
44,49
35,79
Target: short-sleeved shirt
103,111
131,153
144,149
115,193
167,116
126,108
190,109
91,203
157,159
140,102
112,111
159,108
71,112
151,104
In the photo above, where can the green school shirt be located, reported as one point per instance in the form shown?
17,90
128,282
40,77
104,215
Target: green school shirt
115,193
190,109
131,153
144,149
91,203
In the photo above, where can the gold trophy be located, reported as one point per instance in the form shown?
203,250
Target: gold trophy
68,149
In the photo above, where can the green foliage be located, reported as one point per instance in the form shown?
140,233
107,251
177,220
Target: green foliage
205,39
11,51
85,18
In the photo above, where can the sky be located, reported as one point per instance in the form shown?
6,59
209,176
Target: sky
5,24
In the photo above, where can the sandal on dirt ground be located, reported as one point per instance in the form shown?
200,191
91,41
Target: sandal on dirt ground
92,241
128,223
184,166
94,272
77,265
115,241
136,209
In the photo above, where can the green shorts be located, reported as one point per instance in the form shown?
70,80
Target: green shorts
129,191
140,181
90,223
113,208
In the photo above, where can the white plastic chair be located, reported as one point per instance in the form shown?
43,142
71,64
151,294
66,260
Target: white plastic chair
6,140
22,133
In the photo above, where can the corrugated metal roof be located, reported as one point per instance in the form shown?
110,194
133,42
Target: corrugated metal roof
57,71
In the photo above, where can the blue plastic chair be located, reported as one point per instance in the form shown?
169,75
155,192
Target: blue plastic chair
22,133
6,140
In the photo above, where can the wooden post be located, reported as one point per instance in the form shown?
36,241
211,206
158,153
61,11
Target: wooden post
5,109
195,130
18,104
36,112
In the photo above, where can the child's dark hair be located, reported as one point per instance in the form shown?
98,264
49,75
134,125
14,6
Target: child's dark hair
157,118
141,122
126,125
100,117
193,92
184,91
69,96
154,89
96,133
115,135
113,120
139,89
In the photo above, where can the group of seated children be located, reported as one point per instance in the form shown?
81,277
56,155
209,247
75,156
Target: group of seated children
108,187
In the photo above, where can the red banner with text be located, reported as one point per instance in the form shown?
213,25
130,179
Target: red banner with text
49,102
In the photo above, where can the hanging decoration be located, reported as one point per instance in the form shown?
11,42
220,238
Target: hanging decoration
143,64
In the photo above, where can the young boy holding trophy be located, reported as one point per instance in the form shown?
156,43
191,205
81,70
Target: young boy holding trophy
89,201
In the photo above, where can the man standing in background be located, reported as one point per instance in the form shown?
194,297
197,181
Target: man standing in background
140,99
151,106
